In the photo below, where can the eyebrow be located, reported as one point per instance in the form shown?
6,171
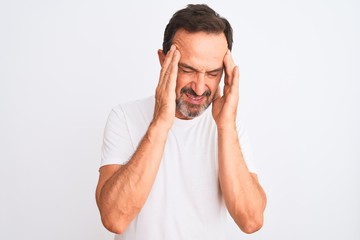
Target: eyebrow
184,65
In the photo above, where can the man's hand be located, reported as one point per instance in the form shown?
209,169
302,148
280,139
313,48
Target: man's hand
225,107
244,197
123,189
165,96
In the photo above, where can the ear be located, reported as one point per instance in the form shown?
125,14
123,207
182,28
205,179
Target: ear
161,56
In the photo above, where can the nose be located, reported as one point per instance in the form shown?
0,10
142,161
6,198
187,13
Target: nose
198,85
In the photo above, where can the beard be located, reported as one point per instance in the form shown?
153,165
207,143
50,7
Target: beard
191,110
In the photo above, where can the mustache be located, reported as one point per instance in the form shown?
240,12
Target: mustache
207,93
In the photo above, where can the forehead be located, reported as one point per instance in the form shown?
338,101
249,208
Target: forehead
204,51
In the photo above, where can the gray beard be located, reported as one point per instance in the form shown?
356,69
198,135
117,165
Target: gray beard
190,110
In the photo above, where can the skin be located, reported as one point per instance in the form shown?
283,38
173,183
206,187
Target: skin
123,189
199,68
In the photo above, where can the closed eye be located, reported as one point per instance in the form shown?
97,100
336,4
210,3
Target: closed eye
214,73
186,70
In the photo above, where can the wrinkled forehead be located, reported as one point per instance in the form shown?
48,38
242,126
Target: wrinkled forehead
204,51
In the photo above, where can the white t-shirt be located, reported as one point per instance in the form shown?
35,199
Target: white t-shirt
186,200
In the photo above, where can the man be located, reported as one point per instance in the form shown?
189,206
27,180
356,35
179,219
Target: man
171,166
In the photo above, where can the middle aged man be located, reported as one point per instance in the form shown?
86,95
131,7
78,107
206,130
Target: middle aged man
172,167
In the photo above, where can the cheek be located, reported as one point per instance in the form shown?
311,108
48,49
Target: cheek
182,81
213,85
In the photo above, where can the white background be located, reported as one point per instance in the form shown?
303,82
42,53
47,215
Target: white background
65,64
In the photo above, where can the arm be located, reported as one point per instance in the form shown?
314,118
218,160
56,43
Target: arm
244,197
123,189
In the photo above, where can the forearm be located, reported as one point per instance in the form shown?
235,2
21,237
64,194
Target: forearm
244,197
124,194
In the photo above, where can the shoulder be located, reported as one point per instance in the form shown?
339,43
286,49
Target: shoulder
140,105
136,114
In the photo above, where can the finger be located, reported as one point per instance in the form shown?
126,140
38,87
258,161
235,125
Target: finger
235,79
229,67
167,60
173,70
168,56
165,67
235,76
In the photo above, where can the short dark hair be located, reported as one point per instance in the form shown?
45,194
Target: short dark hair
197,18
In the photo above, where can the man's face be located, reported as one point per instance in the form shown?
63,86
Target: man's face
200,70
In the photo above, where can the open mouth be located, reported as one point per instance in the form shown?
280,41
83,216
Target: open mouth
194,98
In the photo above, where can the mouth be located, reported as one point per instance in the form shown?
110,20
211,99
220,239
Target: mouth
194,99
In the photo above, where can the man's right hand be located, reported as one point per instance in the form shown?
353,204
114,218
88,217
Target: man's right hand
123,189
165,95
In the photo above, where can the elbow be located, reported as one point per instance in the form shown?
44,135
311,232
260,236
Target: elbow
252,225
114,225
116,220
250,221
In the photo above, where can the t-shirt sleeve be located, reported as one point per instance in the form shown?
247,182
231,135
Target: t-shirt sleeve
246,148
117,146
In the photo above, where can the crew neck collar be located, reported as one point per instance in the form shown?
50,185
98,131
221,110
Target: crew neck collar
191,122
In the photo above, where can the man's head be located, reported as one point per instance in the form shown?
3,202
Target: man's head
202,38
197,18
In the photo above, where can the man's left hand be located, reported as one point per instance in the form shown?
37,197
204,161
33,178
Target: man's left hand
225,107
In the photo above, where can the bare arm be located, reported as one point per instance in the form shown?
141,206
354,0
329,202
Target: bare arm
123,189
244,197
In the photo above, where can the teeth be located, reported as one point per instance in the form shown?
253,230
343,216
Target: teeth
194,97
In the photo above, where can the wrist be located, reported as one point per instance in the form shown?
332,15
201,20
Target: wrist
158,129
227,136
226,127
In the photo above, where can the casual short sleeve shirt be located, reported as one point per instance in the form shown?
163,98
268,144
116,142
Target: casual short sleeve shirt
186,200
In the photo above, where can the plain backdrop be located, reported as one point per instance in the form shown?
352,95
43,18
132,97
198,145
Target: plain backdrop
65,64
